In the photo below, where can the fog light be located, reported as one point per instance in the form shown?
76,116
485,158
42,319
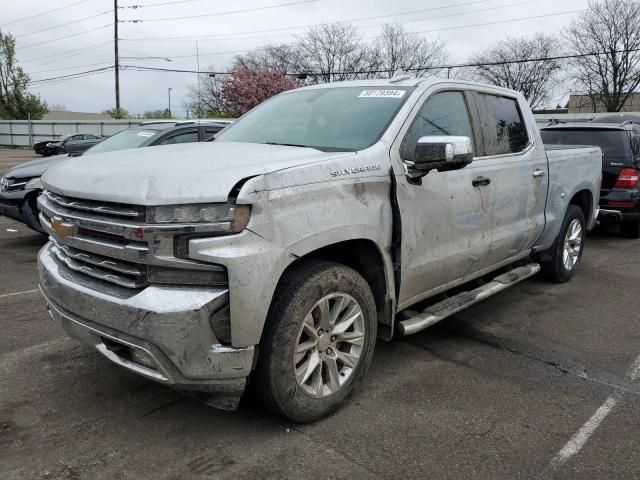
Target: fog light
142,357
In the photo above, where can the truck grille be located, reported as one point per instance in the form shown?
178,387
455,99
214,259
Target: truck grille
107,209
125,274
112,242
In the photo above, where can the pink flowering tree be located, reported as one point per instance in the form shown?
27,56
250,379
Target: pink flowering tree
245,88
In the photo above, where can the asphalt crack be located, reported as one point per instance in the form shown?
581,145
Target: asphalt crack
498,343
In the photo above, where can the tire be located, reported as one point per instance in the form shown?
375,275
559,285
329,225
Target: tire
561,268
630,228
295,322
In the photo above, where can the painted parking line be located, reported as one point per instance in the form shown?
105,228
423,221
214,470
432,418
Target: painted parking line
19,293
579,440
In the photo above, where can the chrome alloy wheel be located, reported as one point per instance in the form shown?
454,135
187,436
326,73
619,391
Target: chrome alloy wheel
572,244
329,345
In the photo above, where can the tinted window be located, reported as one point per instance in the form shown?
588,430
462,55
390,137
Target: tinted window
185,137
329,119
614,143
444,113
126,139
503,127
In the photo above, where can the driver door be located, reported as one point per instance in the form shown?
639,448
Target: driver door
446,218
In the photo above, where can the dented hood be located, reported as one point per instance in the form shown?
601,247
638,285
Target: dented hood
174,174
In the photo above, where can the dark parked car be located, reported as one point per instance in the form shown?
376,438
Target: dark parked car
620,144
76,147
57,146
20,187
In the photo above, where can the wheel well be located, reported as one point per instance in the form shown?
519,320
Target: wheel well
365,258
583,199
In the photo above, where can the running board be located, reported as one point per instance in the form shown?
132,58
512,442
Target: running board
442,310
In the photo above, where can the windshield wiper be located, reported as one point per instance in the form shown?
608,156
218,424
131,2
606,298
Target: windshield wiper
291,145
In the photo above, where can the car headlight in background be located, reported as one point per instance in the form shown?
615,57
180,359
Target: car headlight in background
34,183
236,215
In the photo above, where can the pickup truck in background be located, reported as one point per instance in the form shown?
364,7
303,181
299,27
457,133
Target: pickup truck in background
323,219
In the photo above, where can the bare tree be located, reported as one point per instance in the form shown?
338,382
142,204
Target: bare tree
283,57
607,38
335,52
397,49
204,98
522,64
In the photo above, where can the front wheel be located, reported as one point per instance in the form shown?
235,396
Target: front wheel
567,249
318,341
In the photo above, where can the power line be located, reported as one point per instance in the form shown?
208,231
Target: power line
43,13
268,7
159,4
70,68
63,24
361,72
414,69
53,82
64,55
103,69
67,36
497,22
361,19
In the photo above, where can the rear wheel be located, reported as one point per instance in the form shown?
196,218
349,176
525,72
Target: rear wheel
318,341
630,228
567,249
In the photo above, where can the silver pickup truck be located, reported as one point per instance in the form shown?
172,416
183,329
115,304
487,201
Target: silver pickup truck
325,218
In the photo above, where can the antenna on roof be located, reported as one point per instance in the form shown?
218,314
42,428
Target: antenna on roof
398,76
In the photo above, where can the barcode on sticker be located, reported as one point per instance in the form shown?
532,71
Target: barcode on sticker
381,94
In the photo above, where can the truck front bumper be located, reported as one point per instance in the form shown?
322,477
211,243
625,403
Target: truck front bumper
161,332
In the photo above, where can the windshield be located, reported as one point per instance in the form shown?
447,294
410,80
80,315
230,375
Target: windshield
614,143
329,119
122,140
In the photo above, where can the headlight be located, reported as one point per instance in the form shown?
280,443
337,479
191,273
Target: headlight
34,183
236,215
48,144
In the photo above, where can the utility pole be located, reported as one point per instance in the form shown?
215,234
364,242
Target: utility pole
117,62
169,92
198,65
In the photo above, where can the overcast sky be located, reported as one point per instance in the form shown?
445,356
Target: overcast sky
43,56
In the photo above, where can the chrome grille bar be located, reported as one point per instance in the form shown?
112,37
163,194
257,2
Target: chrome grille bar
102,208
99,273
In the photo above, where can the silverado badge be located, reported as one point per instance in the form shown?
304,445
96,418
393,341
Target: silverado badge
347,171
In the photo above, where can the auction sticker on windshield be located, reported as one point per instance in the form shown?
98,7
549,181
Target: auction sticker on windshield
382,94
146,133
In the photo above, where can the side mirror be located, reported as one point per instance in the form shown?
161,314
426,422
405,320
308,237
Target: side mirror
442,153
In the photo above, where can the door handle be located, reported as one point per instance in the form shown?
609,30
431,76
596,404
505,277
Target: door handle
538,173
481,181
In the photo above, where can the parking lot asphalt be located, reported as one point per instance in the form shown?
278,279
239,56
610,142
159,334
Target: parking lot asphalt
540,381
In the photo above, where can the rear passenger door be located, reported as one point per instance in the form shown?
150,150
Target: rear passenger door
519,175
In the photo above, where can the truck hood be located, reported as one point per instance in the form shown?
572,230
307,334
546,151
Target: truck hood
35,168
175,174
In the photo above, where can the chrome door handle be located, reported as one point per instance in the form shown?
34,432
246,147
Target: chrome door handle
538,173
480,181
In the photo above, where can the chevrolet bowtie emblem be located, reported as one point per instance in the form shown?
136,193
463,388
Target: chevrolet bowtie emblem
62,228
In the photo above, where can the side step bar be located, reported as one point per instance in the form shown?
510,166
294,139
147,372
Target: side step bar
442,310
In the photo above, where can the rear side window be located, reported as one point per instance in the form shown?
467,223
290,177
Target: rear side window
444,113
503,127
